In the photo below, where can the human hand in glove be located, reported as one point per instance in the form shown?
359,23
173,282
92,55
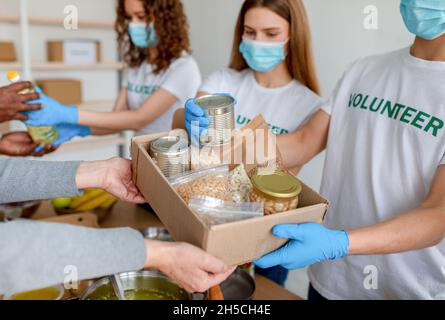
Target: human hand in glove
66,132
196,120
309,243
52,113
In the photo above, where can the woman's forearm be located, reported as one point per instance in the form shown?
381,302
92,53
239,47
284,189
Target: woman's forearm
289,146
135,119
23,180
299,147
114,121
418,229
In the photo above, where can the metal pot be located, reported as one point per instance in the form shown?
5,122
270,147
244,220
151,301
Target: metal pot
161,287
238,286
155,233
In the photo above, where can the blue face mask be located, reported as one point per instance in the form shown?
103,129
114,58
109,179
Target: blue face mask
424,18
262,56
141,37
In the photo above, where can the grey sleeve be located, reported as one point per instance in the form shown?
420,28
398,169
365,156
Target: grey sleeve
35,255
23,180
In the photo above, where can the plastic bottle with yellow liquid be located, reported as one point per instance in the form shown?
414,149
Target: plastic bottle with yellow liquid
47,134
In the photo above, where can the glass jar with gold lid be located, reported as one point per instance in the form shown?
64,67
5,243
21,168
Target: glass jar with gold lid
277,190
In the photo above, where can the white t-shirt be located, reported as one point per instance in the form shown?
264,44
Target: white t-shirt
285,108
386,141
182,79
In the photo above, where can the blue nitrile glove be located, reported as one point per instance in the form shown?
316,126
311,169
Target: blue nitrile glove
309,243
196,121
67,132
52,112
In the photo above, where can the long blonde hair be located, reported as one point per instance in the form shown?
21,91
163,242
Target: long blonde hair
300,60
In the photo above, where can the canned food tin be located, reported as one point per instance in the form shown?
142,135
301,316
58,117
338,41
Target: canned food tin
172,155
220,109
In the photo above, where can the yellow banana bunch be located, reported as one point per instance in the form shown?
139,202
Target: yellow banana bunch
96,202
90,200
87,196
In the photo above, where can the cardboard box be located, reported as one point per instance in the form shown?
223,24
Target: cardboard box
7,52
74,51
66,91
235,243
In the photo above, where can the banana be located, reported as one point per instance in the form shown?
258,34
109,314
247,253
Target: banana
94,203
108,203
88,196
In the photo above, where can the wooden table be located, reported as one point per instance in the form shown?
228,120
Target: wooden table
136,217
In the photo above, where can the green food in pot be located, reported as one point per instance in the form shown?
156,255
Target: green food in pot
106,292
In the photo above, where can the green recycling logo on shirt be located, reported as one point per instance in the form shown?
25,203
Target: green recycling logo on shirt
242,120
396,111
142,89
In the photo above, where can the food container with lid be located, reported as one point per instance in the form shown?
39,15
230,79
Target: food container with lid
138,285
277,190
220,110
172,154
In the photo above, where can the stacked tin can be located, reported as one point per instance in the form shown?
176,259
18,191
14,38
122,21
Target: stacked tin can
220,110
172,155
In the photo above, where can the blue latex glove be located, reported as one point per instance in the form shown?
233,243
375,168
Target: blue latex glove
66,133
53,112
196,121
309,243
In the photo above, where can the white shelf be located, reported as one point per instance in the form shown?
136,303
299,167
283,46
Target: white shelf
56,66
59,23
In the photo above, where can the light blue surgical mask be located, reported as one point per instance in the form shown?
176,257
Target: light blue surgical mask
262,56
141,37
424,18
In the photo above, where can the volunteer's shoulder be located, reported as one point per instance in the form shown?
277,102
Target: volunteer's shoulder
225,79
308,100
185,63
136,69
373,62
304,93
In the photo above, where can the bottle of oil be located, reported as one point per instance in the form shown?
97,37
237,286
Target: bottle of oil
45,135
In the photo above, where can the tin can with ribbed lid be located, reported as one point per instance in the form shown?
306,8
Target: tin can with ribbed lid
172,155
220,109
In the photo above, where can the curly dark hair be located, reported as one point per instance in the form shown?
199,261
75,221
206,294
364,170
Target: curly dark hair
172,31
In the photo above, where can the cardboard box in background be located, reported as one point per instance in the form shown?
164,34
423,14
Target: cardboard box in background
66,91
235,243
7,52
74,51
